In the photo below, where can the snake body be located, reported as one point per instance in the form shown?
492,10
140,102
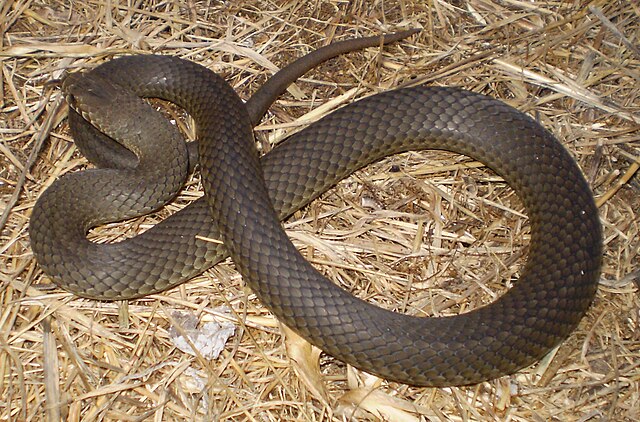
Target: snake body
248,196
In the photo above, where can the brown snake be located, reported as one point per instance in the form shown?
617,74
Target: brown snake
557,283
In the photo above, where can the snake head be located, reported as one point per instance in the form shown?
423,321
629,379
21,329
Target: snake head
101,102
87,92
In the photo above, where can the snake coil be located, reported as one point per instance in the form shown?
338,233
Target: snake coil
248,197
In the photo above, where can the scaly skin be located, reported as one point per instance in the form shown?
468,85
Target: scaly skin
247,196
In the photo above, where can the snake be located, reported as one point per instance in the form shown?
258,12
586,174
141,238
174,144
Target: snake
142,162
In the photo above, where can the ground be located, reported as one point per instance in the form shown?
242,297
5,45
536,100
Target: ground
428,233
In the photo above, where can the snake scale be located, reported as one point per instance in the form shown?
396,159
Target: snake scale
248,196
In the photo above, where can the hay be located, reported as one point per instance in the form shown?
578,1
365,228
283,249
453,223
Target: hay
437,224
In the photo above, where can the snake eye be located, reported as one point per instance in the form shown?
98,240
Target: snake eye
71,101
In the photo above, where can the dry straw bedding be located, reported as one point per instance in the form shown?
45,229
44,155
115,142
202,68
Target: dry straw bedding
423,233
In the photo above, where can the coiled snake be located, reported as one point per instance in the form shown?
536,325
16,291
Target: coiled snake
556,287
